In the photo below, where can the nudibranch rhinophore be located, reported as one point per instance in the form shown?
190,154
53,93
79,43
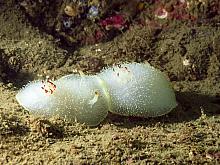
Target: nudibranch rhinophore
130,89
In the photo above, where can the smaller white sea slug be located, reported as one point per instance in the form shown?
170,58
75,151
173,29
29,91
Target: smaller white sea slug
139,90
129,89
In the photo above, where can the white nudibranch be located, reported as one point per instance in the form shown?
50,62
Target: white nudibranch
130,89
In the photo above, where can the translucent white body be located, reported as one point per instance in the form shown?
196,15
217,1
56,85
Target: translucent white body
129,89
139,90
71,99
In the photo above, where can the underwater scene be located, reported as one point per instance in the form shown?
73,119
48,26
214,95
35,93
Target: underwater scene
109,82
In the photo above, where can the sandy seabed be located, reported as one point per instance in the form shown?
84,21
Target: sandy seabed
188,54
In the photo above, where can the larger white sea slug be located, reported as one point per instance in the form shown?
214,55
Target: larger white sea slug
129,89
76,98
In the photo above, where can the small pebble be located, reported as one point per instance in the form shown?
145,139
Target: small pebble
93,12
67,23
